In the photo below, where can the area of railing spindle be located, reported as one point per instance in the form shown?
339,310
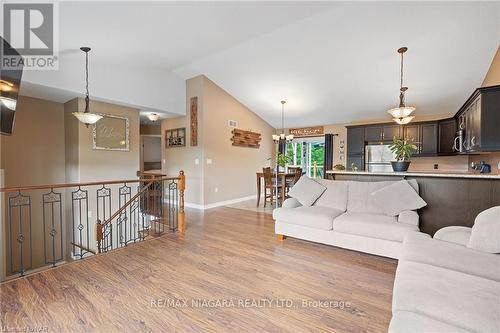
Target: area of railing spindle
145,210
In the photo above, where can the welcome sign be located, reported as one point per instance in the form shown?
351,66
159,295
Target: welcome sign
307,131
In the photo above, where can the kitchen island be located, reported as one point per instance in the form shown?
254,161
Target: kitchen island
453,198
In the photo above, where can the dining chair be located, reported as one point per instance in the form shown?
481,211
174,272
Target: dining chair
290,182
269,185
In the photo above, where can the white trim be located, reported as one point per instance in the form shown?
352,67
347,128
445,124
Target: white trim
220,203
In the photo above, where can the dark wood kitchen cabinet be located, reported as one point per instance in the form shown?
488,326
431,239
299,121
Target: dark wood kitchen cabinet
356,147
424,136
382,133
447,131
480,119
428,139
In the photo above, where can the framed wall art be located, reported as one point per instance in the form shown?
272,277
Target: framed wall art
175,137
111,133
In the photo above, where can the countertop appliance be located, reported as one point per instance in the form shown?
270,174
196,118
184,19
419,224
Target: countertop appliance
378,158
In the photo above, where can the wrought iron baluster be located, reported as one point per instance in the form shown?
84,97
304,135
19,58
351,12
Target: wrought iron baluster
173,205
104,213
79,198
125,194
51,201
20,201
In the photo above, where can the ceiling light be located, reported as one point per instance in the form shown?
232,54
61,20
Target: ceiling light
153,117
282,137
9,103
6,85
87,117
401,114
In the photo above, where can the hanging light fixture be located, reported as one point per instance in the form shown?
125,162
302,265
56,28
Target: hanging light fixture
87,117
6,87
153,117
402,114
277,138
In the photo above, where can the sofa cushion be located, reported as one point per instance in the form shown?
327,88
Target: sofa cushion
467,301
373,225
454,234
485,235
405,321
420,248
360,199
335,195
397,197
306,191
314,216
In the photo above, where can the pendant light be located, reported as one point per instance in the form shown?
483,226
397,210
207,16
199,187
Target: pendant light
87,117
5,88
277,138
402,114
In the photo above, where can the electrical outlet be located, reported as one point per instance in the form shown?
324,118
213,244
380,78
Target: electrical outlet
89,214
436,166
197,161
216,189
209,161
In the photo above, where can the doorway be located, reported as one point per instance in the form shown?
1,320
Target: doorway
309,154
151,153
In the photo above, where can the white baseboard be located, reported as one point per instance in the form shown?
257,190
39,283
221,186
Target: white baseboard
218,204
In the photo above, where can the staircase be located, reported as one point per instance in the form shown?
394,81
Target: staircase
48,225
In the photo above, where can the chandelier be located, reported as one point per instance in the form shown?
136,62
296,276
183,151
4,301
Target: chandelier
402,114
87,117
282,137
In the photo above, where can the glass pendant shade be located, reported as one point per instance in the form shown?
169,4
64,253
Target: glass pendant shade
401,112
276,137
87,118
403,120
9,103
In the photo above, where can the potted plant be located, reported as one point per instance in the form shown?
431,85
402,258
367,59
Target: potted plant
403,149
282,160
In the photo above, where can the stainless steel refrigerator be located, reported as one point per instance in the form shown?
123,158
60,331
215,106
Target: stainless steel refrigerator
378,158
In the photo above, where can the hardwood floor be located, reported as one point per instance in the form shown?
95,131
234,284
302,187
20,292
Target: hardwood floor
229,258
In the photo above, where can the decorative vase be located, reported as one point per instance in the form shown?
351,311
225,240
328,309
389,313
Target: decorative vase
400,166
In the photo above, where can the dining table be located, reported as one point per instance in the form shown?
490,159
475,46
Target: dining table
282,175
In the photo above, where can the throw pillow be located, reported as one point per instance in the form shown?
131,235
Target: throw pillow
398,197
306,191
485,235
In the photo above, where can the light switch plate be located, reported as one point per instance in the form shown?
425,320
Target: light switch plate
209,161
197,161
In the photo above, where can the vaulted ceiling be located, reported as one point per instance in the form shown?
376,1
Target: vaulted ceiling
333,62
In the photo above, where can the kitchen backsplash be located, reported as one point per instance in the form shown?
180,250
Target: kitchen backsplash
445,163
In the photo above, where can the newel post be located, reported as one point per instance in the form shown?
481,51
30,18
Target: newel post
182,214
99,235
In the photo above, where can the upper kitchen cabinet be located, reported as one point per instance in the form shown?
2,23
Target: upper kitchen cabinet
425,137
479,117
355,140
374,133
447,130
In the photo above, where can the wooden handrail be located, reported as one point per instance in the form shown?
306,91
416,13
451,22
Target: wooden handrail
128,203
66,185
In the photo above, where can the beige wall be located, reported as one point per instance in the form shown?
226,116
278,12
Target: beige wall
33,155
231,173
185,158
86,164
493,76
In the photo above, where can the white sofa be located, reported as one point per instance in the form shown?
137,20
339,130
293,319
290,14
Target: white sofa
346,215
444,286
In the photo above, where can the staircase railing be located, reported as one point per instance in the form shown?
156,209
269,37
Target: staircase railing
47,225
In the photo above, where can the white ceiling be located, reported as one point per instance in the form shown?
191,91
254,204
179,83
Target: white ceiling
332,61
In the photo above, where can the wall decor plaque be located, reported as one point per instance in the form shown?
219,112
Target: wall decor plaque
175,137
111,133
247,139
307,131
193,120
